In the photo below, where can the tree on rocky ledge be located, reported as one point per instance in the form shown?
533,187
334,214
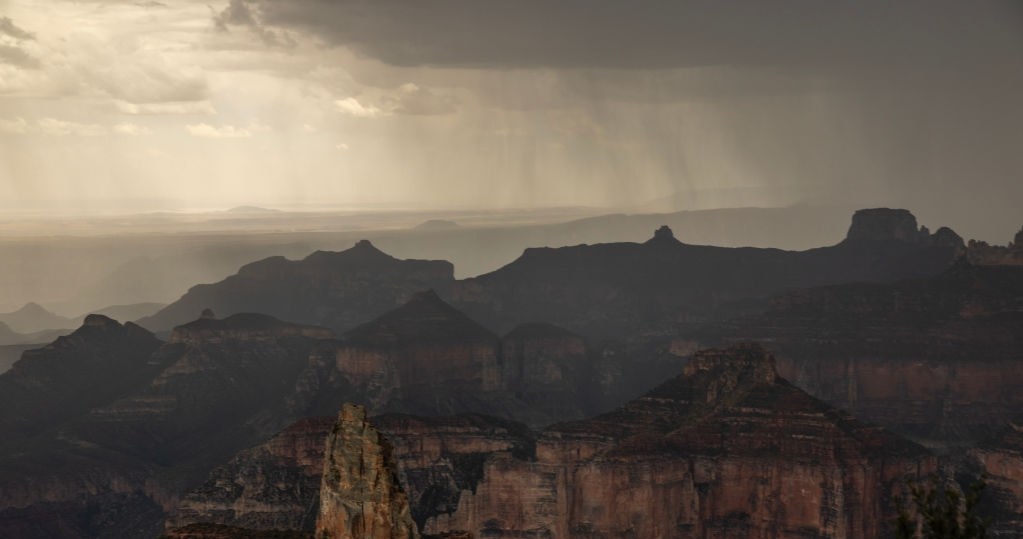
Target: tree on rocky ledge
941,512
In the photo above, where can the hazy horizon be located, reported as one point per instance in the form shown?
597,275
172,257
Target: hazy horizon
143,106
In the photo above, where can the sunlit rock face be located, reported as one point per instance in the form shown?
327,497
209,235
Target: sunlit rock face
337,290
360,497
141,422
726,448
276,485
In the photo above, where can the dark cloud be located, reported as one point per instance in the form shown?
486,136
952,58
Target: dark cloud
11,53
240,13
656,33
7,27
18,57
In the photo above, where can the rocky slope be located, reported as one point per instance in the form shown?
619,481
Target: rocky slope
338,290
981,253
58,382
625,288
272,486
218,386
726,449
276,485
119,455
429,358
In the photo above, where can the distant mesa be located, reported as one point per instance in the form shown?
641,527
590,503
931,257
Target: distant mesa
244,326
207,314
438,224
252,209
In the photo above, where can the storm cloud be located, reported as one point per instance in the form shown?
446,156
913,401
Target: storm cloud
656,33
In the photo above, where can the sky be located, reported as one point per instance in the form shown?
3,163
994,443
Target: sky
176,104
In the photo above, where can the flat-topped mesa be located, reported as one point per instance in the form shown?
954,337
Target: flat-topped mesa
881,224
887,224
360,497
243,326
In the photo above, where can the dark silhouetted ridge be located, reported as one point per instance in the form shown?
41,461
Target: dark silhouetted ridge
338,290
424,317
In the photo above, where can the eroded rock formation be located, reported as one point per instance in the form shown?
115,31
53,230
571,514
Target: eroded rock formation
935,358
360,497
726,448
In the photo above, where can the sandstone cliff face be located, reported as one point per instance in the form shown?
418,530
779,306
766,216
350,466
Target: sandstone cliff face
360,497
148,425
727,449
935,358
338,290
1002,461
276,485
273,486
550,369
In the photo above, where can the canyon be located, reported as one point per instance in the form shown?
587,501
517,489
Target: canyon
529,401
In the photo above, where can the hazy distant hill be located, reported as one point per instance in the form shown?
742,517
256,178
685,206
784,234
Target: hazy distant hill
32,318
333,289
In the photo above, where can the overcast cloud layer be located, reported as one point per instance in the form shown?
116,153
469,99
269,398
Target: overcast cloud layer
144,104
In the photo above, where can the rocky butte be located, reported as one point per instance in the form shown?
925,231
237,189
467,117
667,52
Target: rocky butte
726,449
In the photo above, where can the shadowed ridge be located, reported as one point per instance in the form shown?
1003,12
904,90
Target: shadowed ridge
425,317
730,401
338,290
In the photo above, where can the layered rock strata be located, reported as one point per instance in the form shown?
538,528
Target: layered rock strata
726,449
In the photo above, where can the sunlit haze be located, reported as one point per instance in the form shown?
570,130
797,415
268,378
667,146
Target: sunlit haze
124,106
